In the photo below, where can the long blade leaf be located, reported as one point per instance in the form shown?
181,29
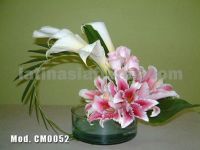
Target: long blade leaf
27,88
31,101
34,60
44,119
36,109
40,51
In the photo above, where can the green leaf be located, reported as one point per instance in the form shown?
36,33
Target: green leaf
93,36
34,60
169,107
36,109
45,42
27,70
40,51
27,88
31,101
44,119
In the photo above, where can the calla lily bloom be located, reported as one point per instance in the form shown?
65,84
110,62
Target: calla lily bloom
51,32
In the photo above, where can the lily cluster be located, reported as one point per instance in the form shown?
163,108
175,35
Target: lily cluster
128,96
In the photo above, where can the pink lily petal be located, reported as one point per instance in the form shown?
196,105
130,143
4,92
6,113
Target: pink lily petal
143,92
132,63
115,106
122,73
100,104
121,84
88,94
136,85
139,112
163,94
118,97
116,64
125,118
88,107
151,76
100,83
123,51
111,115
134,72
141,73
157,84
166,87
129,94
94,116
155,112
112,55
146,104
112,88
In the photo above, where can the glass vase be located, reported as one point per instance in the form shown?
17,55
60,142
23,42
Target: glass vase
93,133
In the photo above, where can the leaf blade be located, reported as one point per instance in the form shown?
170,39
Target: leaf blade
169,108
40,51
93,36
34,60
27,70
27,89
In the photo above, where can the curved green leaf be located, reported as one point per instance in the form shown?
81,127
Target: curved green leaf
169,107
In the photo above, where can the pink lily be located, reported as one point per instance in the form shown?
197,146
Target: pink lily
130,104
121,58
156,89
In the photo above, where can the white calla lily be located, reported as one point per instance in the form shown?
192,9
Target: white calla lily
50,32
97,53
102,30
68,41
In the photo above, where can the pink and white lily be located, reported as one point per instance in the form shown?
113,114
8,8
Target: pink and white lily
119,102
154,88
123,63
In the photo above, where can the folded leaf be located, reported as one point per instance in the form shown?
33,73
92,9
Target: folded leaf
93,36
101,29
169,107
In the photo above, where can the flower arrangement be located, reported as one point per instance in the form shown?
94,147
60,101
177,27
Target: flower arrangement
125,91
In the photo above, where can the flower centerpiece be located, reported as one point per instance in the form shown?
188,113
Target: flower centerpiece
124,93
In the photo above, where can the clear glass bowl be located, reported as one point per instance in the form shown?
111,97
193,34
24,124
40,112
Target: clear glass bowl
112,133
